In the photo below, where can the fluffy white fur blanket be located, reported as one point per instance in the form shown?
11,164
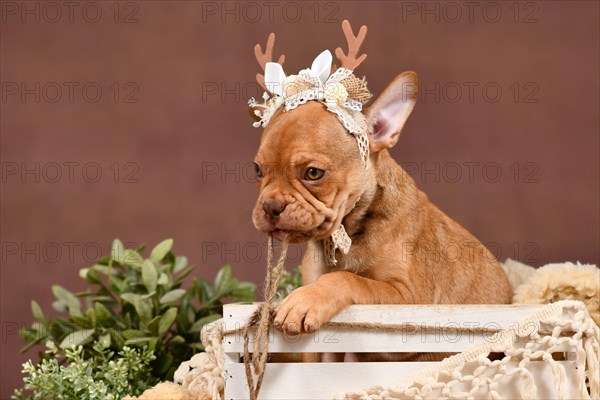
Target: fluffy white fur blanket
554,282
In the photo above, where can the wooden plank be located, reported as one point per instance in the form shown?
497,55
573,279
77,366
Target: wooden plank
493,315
359,341
410,340
287,381
315,380
344,341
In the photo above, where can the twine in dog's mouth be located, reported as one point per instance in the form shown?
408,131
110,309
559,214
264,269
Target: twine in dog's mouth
331,232
320,232
290,236
262,319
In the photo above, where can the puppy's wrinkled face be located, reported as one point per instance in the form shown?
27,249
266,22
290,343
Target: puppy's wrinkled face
309,174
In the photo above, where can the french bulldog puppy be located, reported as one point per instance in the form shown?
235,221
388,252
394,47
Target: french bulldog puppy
404,249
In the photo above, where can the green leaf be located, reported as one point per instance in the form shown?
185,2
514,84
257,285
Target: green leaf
36,334
172,296
138,340
175,340
116,284
94,277
160,250
76,338
129,334
144,310
75,311
82,321
39,327
243,291
152,326
191,317
184,273
104,260
103,316
205,290
142,306
117,338
149,275
32,337
90,275
183,325
59,306
180,263
147,296
117,250
105,340
167,320
103,269
102,299
36,310
152,344
163,363
223,280
83,273
187,301
132,257
163,279
198,325
131,297
65,297
91,315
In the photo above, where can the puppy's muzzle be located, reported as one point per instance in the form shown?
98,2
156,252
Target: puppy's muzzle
273,208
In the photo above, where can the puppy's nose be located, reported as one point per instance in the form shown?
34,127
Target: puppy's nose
273,208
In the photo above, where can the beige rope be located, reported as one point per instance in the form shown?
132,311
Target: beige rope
410,328
262,319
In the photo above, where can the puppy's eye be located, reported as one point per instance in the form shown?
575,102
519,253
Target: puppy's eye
313,174
258,170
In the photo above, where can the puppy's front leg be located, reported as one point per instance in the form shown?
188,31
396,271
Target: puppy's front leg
313,262
310,306
313,267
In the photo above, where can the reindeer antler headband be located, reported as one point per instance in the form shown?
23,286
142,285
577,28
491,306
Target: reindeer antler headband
339,89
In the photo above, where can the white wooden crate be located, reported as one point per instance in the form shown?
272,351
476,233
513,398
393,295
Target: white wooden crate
323,380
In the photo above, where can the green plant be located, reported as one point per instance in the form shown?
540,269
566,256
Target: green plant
134,302
289,281
106,376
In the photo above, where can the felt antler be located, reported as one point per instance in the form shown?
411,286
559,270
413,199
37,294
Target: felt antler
264,58
351,61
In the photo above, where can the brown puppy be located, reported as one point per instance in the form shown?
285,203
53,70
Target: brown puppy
404,249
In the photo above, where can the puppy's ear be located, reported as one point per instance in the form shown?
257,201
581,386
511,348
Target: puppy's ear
391,110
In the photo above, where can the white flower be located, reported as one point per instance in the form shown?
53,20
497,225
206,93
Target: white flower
335,92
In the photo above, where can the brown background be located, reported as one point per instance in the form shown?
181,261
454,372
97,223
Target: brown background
182,149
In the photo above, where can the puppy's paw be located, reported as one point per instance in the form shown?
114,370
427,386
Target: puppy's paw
303,311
